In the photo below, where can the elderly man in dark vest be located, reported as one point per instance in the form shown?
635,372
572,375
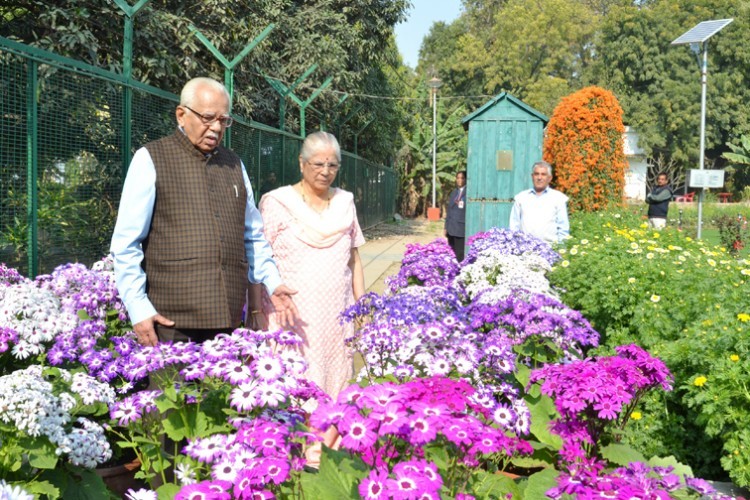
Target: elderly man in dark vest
188,235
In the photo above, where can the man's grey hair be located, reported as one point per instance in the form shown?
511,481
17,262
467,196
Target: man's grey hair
316,141
187,96
543,164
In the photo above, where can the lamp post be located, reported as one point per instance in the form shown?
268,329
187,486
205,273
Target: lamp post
433,213
697,37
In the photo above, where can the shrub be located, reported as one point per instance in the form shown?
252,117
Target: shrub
584,143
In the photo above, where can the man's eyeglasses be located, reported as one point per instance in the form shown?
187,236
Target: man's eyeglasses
333,167
207,119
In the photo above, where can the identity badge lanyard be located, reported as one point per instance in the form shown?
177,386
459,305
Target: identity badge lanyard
459,200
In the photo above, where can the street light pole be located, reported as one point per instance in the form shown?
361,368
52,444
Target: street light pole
434,142
434,84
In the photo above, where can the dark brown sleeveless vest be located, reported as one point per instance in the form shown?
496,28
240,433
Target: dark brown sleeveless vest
195,260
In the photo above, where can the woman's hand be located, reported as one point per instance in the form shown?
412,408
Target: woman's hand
285,310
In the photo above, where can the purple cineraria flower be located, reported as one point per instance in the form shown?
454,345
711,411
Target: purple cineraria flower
9,276
510,243
592,392
375,485
358,432
587,478
200,491
425,265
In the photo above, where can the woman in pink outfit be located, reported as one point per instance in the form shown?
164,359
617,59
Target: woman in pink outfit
314,233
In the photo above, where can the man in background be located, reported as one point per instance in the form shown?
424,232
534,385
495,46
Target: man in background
455,219
658,202
541,211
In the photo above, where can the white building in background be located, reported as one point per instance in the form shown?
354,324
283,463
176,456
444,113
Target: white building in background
635,176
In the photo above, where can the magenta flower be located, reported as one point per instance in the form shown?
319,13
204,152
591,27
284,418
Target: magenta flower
374,486
357,432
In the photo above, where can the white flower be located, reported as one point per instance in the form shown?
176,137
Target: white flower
142,494
503,273
10,492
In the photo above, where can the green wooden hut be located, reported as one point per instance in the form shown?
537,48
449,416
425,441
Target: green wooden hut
505,139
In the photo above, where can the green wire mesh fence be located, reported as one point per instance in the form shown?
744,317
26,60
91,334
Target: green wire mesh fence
64,132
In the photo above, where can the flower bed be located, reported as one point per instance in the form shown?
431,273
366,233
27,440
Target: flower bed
471,369
688,303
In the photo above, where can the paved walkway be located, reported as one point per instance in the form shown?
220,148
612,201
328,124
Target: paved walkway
381,255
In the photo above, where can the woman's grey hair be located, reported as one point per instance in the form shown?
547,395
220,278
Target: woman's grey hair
543,164
316,141
187,96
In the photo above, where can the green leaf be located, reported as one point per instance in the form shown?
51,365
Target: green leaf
540,483
82,314
338,477
542,410
679,468
167,491
88,486
621,454
42,489
522,374
437,454
484,484
41,453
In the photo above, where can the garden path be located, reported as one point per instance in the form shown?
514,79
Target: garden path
382,253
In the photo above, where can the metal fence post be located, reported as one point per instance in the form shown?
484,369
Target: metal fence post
229,65
32,165
127,72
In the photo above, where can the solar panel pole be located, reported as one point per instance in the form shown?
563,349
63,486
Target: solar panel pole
702,155
696,37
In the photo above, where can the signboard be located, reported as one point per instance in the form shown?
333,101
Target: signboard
504,160
706,178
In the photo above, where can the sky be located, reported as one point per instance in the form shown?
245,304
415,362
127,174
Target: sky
421,16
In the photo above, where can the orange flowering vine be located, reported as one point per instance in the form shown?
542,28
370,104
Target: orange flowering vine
584,144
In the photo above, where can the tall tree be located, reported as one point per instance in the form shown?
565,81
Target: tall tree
345,38
659,84
540,48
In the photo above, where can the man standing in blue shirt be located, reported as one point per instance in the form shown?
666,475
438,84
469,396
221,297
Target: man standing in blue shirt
541,211
188,235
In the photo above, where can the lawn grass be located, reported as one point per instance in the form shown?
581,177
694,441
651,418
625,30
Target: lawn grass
688,212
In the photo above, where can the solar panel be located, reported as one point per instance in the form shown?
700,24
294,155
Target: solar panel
702,32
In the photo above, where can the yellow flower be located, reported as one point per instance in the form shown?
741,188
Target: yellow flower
644,226
743,317
699,381
656,235
584,242
565,263
712,262
650,255
631,280
746,272
636,415
634,245
734,358
655,298
574,251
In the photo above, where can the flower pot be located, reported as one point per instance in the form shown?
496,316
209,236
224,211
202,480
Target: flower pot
433,213
120,478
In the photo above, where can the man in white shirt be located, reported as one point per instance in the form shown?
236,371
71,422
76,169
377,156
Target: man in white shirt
541,211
